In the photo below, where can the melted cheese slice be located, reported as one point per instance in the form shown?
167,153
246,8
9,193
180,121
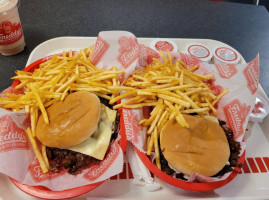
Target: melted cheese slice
96,145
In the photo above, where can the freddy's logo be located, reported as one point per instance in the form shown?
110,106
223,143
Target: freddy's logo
100,48
146,55
132,128
98,170
216,89
196,49
11,137
163,46
189,60
128,51
251,73
37,174
226,70
236,114
10,32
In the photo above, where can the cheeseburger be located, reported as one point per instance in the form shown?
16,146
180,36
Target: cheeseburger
206,147
80,131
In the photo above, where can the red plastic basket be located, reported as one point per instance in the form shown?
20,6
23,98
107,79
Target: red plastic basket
45,193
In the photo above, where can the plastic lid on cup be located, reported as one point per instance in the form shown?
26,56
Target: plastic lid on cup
200,51
226,55
3,2
163,45
260,110
6,5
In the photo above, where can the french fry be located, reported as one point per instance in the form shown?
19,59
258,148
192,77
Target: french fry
159,113
219,96
37,152
150,145
122,96
33,120
175,100
141,105
156,145
41,106
44,155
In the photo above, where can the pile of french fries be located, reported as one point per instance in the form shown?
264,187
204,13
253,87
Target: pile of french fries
172,89
51,82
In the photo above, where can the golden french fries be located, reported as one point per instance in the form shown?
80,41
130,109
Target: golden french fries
37,152
52,82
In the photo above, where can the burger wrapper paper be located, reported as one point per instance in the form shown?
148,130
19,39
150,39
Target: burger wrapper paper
121,49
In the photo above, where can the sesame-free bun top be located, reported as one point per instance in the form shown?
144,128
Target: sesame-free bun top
202,148
71,121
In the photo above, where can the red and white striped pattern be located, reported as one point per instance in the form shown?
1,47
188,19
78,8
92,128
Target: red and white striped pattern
256,165
251,165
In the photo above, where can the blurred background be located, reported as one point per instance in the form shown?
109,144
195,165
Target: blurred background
256,2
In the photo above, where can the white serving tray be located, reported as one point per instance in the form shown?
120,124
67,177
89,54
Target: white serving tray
250,184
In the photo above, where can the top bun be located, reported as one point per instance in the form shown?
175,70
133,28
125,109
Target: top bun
202,148
72,121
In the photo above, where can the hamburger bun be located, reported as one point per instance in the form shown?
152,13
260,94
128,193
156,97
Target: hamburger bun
202,148
72,121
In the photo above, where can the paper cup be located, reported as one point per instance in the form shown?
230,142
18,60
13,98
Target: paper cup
200,51
11,34
45,193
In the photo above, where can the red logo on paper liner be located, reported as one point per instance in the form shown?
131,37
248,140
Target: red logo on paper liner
132,127
128,51
226,70
10,32
11,90
100,48
216,89
37,174
146,55
251,73
163,46
98,170
236,113
189,60
11,136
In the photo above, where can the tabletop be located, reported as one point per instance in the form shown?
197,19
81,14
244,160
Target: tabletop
242,26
